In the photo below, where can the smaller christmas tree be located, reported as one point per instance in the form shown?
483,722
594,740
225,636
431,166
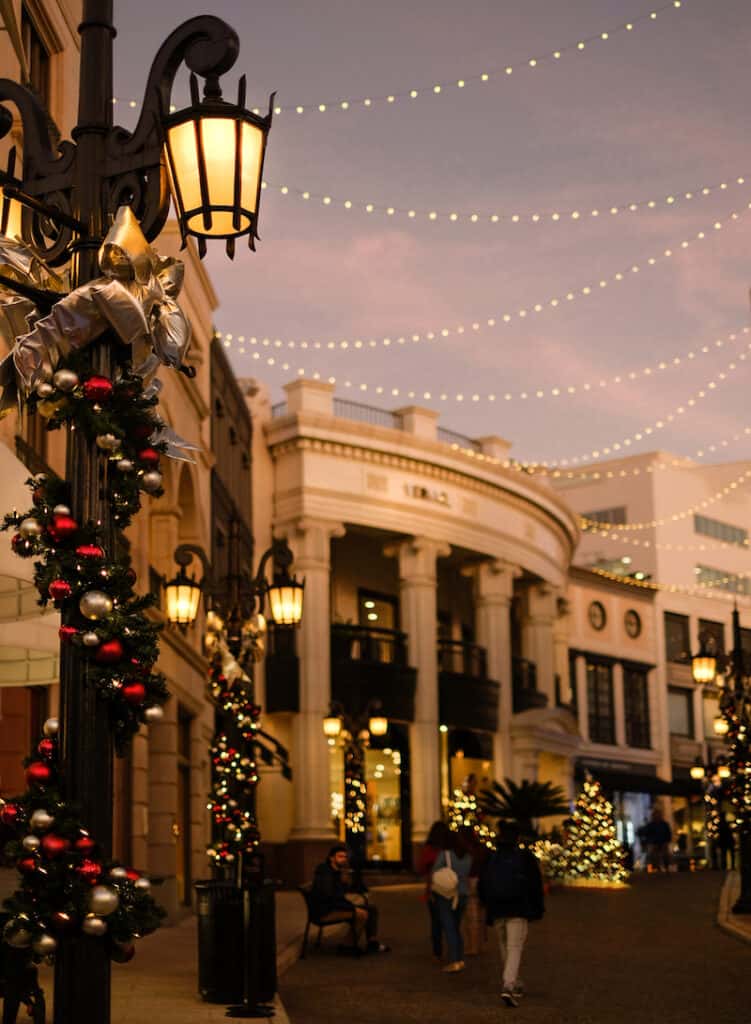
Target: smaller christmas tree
591,851
464,812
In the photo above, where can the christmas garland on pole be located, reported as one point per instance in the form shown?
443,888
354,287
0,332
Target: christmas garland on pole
66,887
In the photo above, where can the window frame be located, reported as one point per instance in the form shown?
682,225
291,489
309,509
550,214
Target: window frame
601,718
687,695
676,618
636,707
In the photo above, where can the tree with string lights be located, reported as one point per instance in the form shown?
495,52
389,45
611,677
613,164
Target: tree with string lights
591,851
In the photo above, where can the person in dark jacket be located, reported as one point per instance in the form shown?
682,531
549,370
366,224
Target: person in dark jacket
511,889
329,898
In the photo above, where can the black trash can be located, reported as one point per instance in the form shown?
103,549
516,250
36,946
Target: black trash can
222,945
220,941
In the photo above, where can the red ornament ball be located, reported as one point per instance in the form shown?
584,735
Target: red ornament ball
38,773
97,389
142,431
59,590
62,527
10,814
89,870
46,747
122,954
67,632
109,652
148,456
21,546
27,865
132,874
54,846
134,693
90,551
85,845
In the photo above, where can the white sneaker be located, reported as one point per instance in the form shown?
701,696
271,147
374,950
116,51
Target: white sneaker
509,998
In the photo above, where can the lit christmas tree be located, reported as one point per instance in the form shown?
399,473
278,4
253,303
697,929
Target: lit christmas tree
591,851
464,812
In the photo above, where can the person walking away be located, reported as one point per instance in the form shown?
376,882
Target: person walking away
511,889
658,835
449,884
438,839
329,898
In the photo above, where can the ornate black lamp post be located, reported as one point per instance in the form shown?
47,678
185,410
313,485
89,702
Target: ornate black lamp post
353,732
734,673
68,195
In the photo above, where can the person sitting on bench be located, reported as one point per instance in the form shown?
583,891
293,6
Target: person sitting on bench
329,902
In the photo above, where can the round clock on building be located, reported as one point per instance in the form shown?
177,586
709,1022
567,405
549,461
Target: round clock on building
632,623
597,616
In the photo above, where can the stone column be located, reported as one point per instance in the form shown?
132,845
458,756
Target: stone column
419,615
538,619
582,702
163,804
310,540
493,591
561,631
619,705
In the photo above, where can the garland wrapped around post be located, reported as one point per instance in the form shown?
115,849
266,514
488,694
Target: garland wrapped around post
68,889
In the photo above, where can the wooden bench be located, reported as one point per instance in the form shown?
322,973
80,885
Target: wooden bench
337,917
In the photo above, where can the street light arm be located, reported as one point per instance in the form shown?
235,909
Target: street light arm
184,555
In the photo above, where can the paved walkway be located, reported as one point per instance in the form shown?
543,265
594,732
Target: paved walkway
652,953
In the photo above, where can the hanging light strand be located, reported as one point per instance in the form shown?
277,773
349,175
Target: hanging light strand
447,86
574,215
532,393
241,341
706,588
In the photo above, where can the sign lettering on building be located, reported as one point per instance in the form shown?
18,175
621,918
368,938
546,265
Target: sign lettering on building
432,494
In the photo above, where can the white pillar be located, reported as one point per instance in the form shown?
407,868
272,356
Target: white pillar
419,615
540,611
619,705
310,540
582,702
493,591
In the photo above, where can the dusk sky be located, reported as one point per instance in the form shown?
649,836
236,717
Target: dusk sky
646,114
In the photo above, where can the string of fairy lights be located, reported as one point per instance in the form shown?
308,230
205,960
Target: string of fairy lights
577,215
676,588
231,340
457,85
561,391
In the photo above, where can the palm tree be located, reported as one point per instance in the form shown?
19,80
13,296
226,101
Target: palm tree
524,803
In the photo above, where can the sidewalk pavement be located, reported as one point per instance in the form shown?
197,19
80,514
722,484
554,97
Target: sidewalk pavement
161,983
738,925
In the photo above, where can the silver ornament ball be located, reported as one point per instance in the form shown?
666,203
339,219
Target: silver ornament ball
30,843
51,727
90,639
95,604
119,873
94,926
44,944
143,884
151,481
30,528
155,714
61,510
16,935
124,465
65,380
40,820
44,389
107,442
103,900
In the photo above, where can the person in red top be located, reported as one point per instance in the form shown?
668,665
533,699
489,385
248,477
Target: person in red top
438,839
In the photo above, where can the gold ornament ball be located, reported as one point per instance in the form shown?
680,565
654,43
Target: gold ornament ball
119,873
155,714
30,528
107,442
95,604
124,465
44,389
16,935
142,884
48,409
61,510
103,900
51,727
90,639
30,843
44,945
65,380
151,481
93,925
40,820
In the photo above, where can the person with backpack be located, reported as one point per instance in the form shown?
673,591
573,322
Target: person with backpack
437,840
449,885
511,889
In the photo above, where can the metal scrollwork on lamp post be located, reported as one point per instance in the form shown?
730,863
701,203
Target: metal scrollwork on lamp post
733,672
61,206
353,732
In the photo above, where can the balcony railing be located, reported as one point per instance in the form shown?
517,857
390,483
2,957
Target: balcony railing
369,414
526,694
363,643
371,665
459,440
462,659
